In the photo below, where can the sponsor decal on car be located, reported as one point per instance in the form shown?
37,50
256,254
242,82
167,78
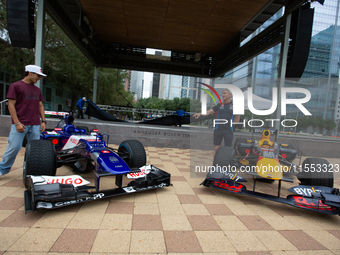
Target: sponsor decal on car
131,189
306,191
44,205
305,202
144,170
51,133
235,187
56,113
113,159
94,197
76,180
74,140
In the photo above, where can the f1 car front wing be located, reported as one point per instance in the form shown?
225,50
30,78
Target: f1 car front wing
56,195
324,200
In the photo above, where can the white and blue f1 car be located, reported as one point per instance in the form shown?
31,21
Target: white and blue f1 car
45,190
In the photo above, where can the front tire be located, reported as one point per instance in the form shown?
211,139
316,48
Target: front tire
133,153
316,172
40,159
224,156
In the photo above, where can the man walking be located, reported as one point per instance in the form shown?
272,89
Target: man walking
25,106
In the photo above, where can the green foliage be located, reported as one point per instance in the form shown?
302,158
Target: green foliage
316,123
109,92
173,105
65,66
303,122
195,106
330,125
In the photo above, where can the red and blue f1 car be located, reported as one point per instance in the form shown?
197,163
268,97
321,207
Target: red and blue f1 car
87,151
270,161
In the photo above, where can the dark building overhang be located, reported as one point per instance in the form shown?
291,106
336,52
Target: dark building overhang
203,36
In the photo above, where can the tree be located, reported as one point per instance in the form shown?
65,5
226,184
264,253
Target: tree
319,123
303,122
330,124
195,105
172,105
109,92
65,65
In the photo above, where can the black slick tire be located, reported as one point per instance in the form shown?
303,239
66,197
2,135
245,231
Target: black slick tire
239,140
224,156
134,151
24,142
316,172
40,159
291,146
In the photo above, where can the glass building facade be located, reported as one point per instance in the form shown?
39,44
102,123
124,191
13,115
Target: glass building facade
321,73
172,86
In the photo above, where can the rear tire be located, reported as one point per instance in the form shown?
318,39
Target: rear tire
40,159
291,146
134,152
319,174
239,140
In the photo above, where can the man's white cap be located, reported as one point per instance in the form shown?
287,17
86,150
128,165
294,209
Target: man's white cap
34,69
84,98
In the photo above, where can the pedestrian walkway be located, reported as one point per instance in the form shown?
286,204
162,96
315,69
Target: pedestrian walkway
185,218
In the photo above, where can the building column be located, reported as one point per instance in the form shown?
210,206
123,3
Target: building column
282,68
95,79
40,38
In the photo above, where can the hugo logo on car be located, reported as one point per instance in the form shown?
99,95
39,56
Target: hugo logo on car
76,180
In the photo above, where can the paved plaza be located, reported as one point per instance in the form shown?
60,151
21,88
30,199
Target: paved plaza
185,218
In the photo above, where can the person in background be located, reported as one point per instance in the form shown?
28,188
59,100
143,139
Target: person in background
80,107
224,111
25,106
179,118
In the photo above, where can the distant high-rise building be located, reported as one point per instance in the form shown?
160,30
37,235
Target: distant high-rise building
136,83
155,84
172,86
156,80
321,73
127,82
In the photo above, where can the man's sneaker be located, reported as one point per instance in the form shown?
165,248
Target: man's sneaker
1,174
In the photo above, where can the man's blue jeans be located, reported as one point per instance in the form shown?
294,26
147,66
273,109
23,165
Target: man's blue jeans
15,140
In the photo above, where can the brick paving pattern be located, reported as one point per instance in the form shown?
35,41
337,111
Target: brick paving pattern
185,218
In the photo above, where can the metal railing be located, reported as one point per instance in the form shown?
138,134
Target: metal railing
110,108
3,107
133,110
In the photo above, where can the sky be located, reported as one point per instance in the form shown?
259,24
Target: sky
148,78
